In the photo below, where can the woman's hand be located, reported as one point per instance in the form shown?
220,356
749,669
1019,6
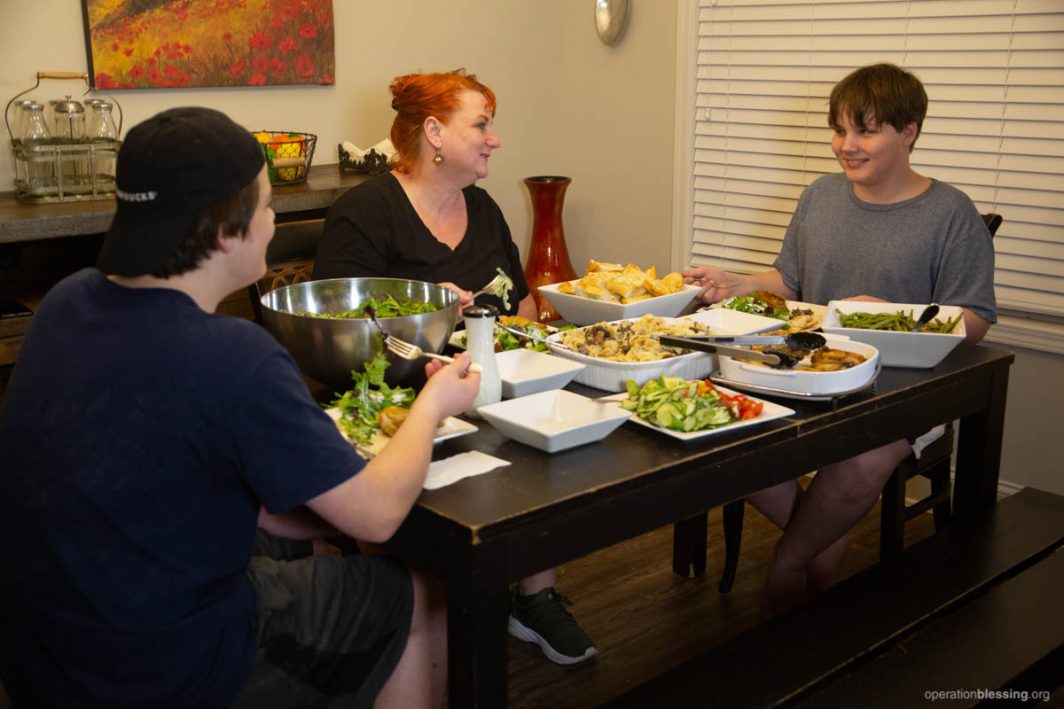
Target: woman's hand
465,297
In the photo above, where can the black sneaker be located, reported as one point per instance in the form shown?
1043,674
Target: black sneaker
542,619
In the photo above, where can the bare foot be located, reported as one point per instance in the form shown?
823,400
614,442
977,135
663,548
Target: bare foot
785,587
821,571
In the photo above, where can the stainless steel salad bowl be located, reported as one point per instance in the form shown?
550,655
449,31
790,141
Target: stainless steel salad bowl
328,349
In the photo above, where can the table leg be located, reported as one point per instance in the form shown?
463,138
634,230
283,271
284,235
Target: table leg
689,546
477,608
979,450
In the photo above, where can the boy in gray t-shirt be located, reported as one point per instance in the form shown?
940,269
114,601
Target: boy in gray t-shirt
877,231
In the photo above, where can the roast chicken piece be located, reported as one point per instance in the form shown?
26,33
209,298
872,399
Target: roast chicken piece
392,417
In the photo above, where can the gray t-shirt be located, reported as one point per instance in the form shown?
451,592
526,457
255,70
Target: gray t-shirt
933,248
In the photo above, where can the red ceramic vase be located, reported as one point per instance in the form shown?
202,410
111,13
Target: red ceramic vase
548,258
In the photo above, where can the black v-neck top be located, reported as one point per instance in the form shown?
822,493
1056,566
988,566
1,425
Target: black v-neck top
373,230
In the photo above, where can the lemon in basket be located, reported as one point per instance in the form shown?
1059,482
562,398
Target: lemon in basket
286,155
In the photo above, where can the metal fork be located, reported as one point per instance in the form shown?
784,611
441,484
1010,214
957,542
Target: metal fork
491,287
407,350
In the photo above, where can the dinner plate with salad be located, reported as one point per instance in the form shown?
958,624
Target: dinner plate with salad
371,411
799,316
506,341
691,409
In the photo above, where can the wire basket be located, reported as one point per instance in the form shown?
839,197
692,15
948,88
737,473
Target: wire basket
288,155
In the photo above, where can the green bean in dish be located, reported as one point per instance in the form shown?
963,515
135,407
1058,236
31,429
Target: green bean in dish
899,321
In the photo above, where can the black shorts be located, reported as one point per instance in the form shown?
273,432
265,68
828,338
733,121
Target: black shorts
331,629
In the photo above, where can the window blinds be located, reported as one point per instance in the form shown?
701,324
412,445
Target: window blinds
994,72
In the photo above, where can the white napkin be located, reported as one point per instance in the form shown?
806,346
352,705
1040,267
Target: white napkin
464,465
927,439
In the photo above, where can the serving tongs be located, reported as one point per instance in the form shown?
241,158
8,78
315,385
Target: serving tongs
773,359
534,338
794,340
927,316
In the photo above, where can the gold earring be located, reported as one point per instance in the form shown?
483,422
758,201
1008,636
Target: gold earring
438,159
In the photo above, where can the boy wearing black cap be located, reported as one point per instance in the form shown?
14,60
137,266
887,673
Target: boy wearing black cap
145,436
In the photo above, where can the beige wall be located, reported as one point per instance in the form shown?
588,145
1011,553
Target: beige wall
568,104
1033,453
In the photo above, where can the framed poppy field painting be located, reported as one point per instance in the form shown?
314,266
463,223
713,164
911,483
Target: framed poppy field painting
167,44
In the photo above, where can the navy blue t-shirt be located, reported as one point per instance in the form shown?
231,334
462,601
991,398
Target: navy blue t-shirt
140,435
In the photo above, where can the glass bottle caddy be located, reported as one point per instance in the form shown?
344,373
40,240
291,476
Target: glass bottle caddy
50,168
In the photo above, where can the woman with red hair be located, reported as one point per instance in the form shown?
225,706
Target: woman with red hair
427,221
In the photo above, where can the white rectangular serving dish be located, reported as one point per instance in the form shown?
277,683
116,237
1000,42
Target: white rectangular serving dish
586,311
614,376
917,350
806,383
526,372
554,420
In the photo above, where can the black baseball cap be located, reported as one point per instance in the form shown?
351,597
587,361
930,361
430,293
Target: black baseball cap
169,168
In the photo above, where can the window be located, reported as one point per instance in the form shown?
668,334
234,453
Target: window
757,131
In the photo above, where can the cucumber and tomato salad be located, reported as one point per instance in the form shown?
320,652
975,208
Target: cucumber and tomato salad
681,405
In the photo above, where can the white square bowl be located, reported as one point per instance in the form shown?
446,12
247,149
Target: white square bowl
587,311
554,420
526,372
916,350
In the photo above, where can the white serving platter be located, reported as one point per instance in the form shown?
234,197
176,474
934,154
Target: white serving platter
458,338
770,412
819,311
733,322
805,384
787,394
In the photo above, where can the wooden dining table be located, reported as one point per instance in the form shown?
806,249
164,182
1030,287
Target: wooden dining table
484,532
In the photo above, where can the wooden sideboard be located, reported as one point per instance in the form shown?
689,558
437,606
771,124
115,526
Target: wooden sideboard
33,222
41,243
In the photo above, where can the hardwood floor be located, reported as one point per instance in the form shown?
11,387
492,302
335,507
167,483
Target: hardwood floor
645,619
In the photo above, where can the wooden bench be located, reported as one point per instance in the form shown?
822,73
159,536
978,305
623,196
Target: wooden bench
975,607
